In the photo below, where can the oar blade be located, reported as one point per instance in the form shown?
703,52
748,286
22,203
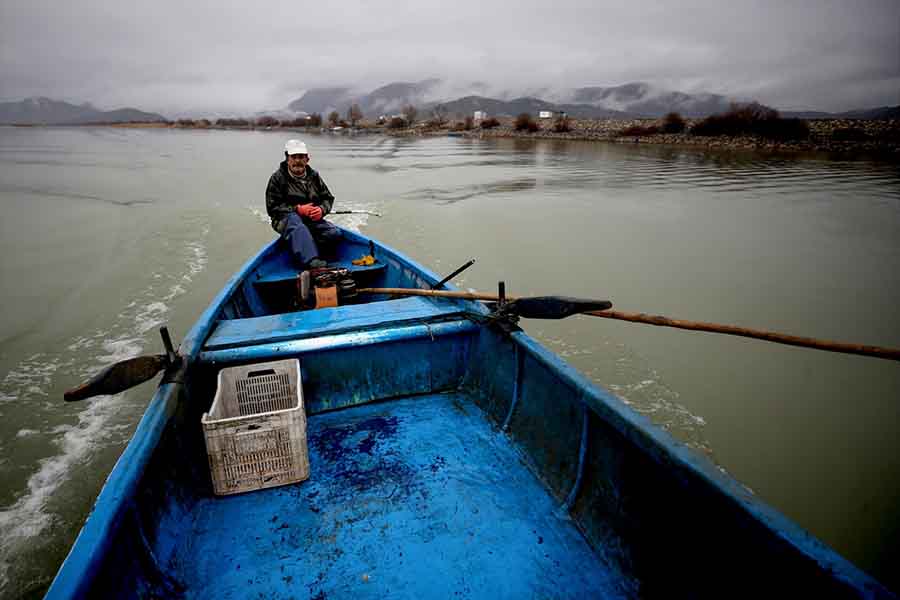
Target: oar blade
118,377
555,307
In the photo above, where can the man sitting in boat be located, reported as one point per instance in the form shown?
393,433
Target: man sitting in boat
297,201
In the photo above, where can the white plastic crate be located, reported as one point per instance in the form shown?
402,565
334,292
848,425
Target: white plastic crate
255,431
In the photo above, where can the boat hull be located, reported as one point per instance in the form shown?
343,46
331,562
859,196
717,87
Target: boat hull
448,457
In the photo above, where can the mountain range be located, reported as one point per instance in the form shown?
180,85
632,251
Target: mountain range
44,111
638,99
630,100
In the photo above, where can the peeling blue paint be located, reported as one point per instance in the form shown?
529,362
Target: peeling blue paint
412,513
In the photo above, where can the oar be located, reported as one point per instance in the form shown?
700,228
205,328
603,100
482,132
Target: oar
760,334
126,374
354,212
119,377
536,307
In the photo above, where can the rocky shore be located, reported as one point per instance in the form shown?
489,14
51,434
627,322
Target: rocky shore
843,136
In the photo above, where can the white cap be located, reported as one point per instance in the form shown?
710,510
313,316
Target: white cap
295,147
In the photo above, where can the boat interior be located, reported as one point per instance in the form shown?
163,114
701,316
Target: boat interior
448,458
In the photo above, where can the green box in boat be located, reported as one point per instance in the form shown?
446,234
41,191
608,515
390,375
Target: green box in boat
255,431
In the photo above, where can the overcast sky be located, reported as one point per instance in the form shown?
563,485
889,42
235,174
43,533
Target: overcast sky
183,56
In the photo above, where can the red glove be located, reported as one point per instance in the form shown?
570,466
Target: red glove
315,213
304,209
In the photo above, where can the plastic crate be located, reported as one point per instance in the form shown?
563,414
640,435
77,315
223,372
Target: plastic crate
255,431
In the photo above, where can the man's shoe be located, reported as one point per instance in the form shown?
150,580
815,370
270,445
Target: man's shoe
316,263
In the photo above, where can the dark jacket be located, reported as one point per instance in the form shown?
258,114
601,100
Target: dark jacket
285,192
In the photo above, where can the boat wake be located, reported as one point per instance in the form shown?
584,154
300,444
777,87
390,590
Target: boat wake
75,436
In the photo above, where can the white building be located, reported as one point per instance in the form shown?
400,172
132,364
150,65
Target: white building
545,114
480,115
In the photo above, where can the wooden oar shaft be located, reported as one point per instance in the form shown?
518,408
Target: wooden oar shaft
759,334
769,336
434,293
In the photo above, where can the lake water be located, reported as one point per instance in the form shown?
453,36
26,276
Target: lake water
107,233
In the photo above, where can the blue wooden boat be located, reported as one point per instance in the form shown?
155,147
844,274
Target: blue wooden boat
451,456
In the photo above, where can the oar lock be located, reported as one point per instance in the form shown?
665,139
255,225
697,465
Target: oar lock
172,357
174,368
508,312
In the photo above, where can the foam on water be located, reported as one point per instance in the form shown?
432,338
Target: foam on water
642,388
103,421
32,377
353,222
259,214
637,384
27,517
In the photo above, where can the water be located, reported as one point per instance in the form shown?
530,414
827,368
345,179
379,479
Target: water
107,233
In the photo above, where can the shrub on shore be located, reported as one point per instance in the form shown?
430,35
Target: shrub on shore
639,131
673,123
849,134
490,123
267,121
752,119
397,123
524,122
232,123
562,125
465,125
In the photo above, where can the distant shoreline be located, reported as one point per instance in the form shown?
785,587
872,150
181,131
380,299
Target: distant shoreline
879,138
883,140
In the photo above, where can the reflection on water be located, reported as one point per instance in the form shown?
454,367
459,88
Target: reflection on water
61,193
449,196
156,221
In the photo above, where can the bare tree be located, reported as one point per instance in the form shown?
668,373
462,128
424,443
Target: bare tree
334,117
411,113
354,114
439,115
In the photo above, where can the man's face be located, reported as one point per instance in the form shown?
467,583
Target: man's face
297,163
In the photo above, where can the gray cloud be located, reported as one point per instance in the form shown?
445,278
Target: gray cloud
236,57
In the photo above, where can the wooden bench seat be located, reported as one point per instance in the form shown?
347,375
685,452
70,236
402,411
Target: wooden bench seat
326,321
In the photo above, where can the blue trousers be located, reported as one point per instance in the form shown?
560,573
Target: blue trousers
304,236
